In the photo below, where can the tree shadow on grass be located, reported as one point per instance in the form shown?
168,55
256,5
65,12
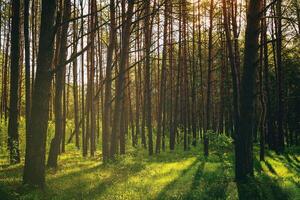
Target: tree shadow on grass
289,158
196,182
262,187
65,183
12,172
166,157
296,159
164,193
87,183
291,164
288,161
270,167
216,183
211,184
197,177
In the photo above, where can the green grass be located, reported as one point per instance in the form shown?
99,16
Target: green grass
170,175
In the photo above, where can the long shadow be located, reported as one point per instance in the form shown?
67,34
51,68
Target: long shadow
295,157
9,173
119,175
129,168
287,161
163,194
217,185
290,164
291,161
79,172
89,188
196,182
197,177
167,157
262,188
271,169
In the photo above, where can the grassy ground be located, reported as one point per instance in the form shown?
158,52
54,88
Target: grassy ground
177,175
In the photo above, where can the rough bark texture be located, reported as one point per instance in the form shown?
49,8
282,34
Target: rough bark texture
34,169
13,135
243,142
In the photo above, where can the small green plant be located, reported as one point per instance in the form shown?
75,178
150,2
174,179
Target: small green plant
219,141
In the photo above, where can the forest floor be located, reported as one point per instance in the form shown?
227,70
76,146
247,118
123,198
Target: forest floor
170,175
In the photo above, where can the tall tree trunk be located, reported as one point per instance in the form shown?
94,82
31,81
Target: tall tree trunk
75,81
13,135
83,132
59,86
173,128
280,112
162,80
264,87
243,142
93,9
234,69
27,65
268,124
120,85
107,97
34,169
137,91
147,96
194,79
209,74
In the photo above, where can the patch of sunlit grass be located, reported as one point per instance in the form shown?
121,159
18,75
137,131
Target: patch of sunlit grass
169,175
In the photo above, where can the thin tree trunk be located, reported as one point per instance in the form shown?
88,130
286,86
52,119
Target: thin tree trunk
83,132
280,112
147,95
27,65
162,81
59,87
75,82
107,97
209,74
234,70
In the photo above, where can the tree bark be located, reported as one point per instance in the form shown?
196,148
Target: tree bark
27,65
209,74
243,142
280,112
75,82
120,86
59,86
147,95
34,169
13,135
162,81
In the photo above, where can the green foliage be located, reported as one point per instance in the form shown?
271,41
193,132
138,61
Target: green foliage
219,141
